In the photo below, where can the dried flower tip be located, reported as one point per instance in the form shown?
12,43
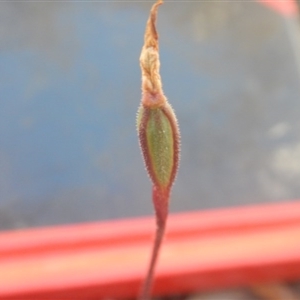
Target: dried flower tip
149,61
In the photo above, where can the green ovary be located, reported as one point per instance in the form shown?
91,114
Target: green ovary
160,146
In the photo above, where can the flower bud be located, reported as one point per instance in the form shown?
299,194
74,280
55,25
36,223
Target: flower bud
156,122
159,140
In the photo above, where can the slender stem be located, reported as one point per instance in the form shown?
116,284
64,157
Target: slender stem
146,289
161,201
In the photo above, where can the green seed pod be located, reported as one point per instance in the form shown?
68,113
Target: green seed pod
159,140
156,122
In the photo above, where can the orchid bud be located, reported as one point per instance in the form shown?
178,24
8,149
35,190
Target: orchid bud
156,121
159,139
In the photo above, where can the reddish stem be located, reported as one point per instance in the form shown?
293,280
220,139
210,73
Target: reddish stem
160,199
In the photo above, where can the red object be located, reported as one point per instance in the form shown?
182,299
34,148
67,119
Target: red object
202,251
285,7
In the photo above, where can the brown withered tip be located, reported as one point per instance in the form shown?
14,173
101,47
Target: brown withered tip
149,61
151,35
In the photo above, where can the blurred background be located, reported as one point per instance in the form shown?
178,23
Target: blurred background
70,89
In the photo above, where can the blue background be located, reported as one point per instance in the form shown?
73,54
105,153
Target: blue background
70,89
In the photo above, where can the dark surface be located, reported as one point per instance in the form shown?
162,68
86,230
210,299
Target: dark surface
70,89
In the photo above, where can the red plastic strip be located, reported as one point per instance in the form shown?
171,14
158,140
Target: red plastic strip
286,7
203,250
